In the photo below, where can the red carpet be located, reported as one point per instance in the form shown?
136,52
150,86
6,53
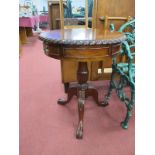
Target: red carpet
47,128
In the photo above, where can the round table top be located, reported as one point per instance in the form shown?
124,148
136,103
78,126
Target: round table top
82,36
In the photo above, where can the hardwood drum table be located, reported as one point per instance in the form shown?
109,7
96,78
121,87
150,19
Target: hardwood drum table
81,45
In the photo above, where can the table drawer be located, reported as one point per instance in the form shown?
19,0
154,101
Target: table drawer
86,53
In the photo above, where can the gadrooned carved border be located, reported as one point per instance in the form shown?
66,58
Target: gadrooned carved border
83,42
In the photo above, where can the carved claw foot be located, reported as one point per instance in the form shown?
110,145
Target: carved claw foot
124,125
71,92
106,99
62,101
79,132
103,104
93,92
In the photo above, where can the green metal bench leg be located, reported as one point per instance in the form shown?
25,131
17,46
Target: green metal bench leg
129,106
111,87
124,124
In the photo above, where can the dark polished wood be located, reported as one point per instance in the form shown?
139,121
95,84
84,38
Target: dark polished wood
66,87
82,36
82,91
82,46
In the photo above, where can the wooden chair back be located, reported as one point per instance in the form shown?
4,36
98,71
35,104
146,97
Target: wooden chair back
113,8
72,22
113,20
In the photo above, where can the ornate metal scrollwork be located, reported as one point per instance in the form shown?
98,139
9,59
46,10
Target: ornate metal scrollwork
125,70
